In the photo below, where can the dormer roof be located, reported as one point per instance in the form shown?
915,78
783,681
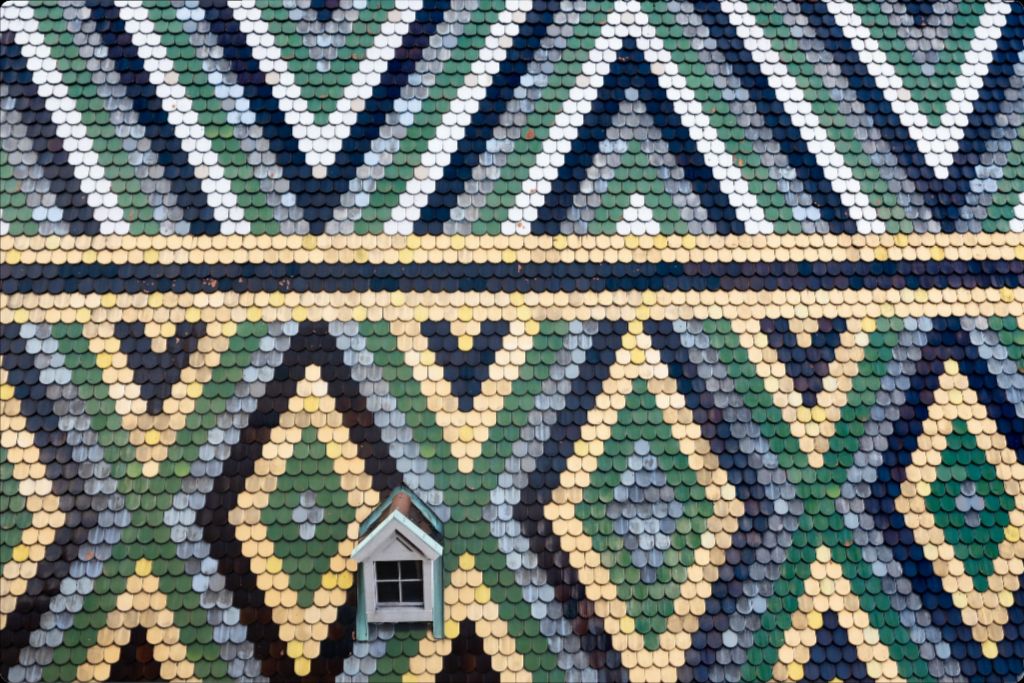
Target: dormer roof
401,518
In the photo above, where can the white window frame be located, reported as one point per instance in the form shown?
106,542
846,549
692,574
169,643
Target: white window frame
377,611
396,540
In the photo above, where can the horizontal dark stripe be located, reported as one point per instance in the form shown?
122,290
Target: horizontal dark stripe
510,276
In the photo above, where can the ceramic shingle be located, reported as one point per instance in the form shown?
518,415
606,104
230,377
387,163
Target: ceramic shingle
697,326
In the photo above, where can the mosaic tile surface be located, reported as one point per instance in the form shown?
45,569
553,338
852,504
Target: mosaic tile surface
700,326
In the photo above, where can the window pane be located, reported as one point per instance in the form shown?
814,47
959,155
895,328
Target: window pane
412,591
410,569
388,570
400,582
388,591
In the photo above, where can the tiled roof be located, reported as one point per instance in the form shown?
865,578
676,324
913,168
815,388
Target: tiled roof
698,325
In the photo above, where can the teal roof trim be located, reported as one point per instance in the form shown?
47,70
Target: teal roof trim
428,514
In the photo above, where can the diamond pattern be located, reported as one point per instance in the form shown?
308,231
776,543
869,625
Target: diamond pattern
301,562
966,565
658,509
656,618
973,513
650,485
646,527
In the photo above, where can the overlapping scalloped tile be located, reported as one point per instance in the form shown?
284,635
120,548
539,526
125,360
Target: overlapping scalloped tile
700,325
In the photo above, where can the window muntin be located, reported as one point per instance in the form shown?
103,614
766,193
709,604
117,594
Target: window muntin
399,583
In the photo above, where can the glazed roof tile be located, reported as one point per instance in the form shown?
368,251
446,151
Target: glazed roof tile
696,327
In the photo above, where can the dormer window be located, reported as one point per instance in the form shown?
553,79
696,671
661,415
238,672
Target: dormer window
399,556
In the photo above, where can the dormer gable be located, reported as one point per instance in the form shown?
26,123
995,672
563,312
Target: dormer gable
404,520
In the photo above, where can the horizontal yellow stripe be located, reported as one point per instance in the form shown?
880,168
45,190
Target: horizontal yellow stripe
225,308
389,249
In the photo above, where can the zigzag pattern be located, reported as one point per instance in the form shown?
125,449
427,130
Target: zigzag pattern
698,324
635,493
433,117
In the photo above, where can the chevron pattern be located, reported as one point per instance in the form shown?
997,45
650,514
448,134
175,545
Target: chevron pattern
698,324
483,118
